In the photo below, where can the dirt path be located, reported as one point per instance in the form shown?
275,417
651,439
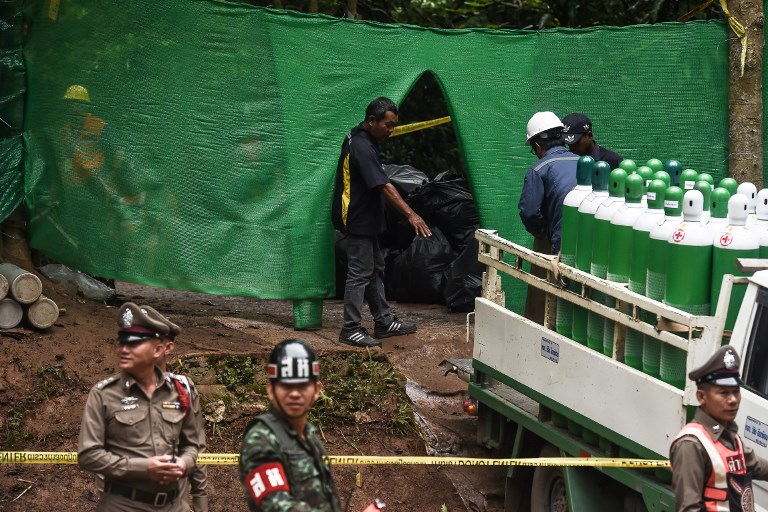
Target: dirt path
45,378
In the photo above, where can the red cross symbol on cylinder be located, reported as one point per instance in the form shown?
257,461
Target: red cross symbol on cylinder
678,235
726,239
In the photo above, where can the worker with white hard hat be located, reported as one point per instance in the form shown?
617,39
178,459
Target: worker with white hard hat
547,181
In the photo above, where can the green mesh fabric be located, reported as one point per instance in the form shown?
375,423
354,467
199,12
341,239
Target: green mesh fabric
12,90
208,159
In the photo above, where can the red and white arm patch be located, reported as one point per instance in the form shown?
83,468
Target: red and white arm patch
266,479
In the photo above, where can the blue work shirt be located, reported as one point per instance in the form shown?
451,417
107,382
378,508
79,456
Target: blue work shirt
547,182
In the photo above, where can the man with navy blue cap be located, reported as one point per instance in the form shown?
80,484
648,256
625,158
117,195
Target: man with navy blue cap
577,132
711,468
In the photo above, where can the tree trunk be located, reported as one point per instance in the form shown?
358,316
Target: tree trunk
352,9
313,6
745,97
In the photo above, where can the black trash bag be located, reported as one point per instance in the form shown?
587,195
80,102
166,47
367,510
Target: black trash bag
447,203
390,274
399,233
405,178
419,270
464,280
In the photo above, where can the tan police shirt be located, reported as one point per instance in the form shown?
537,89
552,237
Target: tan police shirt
122,428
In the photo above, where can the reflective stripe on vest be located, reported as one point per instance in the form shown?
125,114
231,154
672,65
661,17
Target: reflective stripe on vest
556,159
716,486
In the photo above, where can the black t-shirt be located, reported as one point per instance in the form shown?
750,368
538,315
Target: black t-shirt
599,153
358,204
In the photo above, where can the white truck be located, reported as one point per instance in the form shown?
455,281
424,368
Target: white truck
542,394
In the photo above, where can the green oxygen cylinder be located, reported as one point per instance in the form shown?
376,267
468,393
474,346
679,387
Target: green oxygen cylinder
586,225
655,278
706,191
663,176
621,250
689,271
601,252
750,191
674,168
647,174
729,184
760,225
735,241
654,214
655,164
569,232
688,179
718,211
705,176
628,165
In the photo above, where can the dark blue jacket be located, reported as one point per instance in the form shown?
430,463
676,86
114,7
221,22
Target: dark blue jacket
546,184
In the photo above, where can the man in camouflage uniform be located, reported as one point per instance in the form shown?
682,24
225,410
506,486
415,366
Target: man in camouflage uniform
281,465
141,429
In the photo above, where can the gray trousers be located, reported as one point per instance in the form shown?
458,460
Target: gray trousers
365,281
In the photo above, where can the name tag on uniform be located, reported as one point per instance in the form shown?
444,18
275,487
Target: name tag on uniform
129,407
171,405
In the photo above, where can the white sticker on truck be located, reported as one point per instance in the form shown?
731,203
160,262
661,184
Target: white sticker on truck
756,431
550,350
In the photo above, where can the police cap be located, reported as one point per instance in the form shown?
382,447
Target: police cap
722,369
139,323
293,361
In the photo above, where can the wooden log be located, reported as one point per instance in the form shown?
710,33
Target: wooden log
3,287
11,313
42,313
24,286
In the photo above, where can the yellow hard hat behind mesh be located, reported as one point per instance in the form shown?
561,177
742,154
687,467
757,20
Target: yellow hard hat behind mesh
77,92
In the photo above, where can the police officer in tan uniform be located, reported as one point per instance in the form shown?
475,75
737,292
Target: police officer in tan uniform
197,483
711,469
140,429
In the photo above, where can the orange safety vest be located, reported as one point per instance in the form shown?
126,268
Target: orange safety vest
723,492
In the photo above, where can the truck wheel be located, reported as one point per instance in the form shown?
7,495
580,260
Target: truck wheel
548,492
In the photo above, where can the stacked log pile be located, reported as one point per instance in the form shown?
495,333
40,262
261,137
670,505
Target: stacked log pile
21,296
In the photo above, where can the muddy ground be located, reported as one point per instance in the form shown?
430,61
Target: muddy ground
46,375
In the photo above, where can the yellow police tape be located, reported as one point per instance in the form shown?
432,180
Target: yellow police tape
414,127
230,459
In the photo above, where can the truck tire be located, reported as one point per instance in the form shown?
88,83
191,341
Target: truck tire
548,492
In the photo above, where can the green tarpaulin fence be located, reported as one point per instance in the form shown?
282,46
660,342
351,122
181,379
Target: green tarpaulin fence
205,155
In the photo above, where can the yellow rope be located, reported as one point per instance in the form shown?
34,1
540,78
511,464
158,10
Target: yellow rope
230,459
740,32
413,127
737,27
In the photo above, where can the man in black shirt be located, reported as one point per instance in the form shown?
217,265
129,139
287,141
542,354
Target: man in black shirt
358,211
577,131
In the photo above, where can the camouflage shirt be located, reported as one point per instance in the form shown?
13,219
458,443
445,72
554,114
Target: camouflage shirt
282,472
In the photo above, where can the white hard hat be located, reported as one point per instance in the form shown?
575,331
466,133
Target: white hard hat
541,122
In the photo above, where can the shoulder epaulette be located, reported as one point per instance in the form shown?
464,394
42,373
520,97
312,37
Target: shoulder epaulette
185,381
107,381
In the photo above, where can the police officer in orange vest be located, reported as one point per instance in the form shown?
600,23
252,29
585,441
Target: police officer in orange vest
711,469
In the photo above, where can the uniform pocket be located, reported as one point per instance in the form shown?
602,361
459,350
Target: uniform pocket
172,424
128,427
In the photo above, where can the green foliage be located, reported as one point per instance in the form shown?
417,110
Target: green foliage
512,14
53,379
15,432
359,389
234,371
